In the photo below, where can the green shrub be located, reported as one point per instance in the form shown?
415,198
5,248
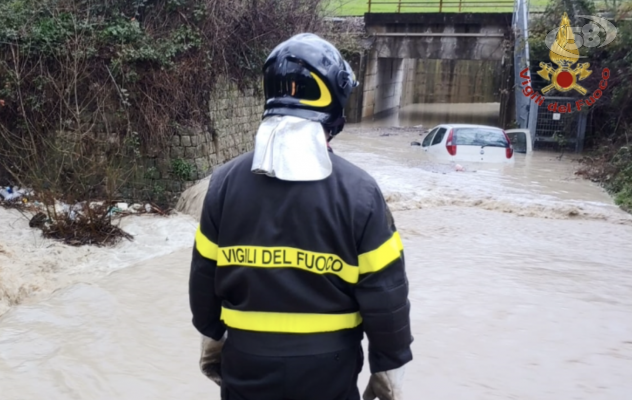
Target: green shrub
182,169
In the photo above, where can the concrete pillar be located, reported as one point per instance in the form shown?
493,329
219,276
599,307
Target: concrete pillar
354,109
390,79
370,86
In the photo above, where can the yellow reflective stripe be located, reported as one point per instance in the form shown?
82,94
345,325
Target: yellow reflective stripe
379,258
206,248
289,322
287,257
325,95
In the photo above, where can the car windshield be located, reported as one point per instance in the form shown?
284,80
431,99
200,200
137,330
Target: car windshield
518,141
479,137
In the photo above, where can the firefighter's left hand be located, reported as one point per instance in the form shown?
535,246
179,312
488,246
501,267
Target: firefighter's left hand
385,385
211,357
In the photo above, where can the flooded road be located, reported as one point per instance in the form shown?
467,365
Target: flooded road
539,185
520,278
438,113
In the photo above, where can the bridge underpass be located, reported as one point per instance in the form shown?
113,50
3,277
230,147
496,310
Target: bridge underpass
430,58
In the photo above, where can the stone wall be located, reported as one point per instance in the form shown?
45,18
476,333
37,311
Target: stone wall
194,151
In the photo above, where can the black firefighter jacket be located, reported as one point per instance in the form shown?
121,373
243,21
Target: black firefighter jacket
297,266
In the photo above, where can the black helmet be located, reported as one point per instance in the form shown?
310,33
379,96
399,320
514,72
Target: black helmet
306,77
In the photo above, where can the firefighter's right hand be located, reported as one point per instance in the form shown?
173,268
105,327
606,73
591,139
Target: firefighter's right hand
211,357
387,385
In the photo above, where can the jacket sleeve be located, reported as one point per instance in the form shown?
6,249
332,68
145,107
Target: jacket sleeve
382,290
204,303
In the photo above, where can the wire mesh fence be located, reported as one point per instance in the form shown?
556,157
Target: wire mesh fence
556,129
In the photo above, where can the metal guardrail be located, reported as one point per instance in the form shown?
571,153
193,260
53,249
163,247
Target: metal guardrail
441,5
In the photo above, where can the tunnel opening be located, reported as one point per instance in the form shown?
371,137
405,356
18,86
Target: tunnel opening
411,92
440,67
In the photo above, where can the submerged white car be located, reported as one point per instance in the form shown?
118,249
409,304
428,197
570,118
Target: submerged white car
473,143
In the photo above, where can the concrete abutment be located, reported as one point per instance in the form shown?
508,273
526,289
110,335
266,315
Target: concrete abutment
434,58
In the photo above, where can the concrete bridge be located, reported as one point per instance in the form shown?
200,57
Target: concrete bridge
434,58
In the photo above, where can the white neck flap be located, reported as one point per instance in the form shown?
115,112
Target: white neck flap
291,149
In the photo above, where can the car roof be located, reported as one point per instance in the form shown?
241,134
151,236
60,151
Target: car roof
471,126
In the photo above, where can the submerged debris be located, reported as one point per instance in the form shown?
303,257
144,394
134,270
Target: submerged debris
84,223
9,194
96,229
38,220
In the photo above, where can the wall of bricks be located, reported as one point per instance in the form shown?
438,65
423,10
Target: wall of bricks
235,116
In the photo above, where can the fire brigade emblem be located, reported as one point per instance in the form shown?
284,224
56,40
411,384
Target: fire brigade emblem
565,54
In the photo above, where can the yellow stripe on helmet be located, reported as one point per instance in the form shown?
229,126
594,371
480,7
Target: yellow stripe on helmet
325,94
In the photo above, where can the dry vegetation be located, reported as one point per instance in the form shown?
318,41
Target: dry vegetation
90,88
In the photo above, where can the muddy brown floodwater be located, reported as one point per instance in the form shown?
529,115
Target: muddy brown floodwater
520,279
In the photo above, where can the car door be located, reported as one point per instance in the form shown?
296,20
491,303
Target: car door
520,140
428,139
436,149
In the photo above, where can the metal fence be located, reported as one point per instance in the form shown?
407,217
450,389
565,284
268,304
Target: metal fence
399,6
555,129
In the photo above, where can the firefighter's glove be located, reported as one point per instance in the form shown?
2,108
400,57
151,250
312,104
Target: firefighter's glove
385,385
211,358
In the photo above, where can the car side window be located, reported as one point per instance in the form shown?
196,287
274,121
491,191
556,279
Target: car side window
428,138
439,136
519,141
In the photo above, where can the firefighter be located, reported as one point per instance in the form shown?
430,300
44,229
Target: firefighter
297,255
